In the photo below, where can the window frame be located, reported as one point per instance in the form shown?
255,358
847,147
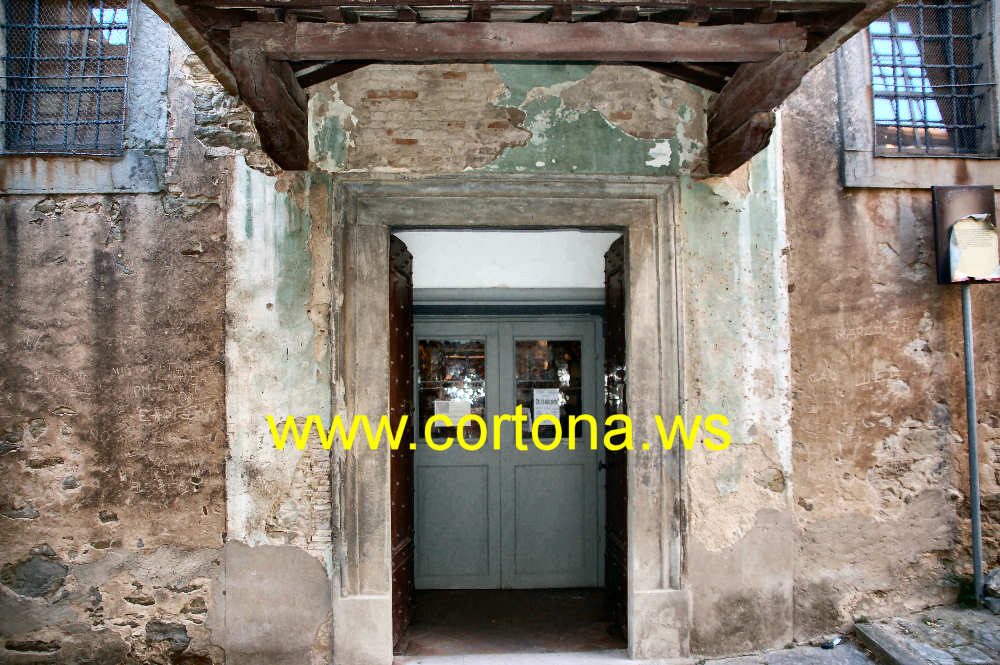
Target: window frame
99,152
863,166
987,147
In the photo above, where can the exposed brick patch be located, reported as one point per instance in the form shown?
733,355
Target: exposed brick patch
392,94
455,124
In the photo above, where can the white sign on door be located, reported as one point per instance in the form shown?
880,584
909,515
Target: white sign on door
547,402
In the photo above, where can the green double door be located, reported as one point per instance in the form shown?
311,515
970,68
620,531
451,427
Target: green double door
507,518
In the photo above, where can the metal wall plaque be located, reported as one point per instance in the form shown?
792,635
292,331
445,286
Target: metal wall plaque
965,234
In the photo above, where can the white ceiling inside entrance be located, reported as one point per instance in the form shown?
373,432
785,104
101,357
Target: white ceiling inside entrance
508,259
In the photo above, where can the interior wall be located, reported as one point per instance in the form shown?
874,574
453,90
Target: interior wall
508,259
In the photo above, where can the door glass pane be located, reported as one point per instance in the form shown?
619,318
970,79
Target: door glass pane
452,380
549,364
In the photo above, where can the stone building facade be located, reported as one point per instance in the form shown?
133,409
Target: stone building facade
156,305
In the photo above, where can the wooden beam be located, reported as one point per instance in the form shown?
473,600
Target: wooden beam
278,103
562,12
405,13
328,70
871,11
736,149
741,117
691,73
780,5
480,12
483,42
626,14
180,18
737,128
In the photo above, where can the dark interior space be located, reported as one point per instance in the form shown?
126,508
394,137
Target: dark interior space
463,622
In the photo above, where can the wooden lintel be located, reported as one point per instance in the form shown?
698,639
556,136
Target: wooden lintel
736,130
483,42
270,90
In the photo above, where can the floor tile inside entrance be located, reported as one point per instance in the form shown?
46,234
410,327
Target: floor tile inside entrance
490,622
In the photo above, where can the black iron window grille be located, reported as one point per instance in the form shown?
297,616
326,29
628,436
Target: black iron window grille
64,69
933,83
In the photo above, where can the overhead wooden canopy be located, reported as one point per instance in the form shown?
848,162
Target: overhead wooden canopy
754,53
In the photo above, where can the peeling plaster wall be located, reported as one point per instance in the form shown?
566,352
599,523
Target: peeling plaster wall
113,429
568,119
841,498
740,545
277,359
517,118
878,420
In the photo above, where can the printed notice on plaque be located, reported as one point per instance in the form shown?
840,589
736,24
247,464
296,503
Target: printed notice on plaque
458,409
973,250
455,409
546,402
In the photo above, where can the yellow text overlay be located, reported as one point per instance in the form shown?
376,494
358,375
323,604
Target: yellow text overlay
618,433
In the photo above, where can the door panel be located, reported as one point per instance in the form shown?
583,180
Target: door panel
453,502
550,519
616,480
458,510
400,404
549,498
509,518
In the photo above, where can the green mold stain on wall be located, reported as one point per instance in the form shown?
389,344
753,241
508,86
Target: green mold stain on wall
523,78
571,140
330,143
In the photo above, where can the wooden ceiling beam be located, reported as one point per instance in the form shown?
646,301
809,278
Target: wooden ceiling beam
779,5
483,42
270,89
691,73
328,70
741,117
480,12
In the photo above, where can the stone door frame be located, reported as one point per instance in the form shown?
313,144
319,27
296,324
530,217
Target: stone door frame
645,210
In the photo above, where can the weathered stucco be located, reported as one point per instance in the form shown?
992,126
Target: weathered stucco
734,298
879,454
148,332
515,118
113,444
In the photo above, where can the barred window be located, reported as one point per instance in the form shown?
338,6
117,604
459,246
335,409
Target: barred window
64,70
933,87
